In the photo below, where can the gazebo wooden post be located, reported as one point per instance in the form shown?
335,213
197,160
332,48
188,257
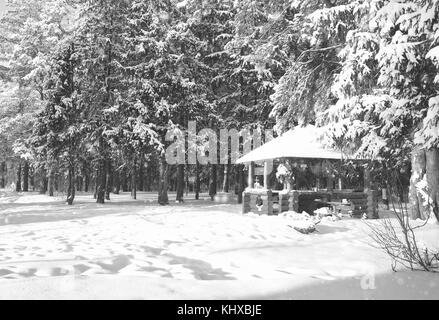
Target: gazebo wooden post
266,181
319,175
367,179
251,172
372,204
372,198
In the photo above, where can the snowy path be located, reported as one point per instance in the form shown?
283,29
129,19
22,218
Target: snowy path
132,249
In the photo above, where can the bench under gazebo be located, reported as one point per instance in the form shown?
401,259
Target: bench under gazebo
303,144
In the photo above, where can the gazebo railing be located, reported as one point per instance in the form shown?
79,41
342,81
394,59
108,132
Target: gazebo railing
264,202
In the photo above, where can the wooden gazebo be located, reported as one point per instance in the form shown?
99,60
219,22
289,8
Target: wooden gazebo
302,143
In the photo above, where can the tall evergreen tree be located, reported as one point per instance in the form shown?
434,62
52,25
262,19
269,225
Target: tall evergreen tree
102,48
58,132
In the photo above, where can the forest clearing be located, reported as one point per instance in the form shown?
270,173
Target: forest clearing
199,250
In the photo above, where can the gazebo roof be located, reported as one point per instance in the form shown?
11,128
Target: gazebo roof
301,142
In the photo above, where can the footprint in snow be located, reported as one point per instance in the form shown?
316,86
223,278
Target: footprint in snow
323,277
57,272
4,272
117,264
28,272
81,268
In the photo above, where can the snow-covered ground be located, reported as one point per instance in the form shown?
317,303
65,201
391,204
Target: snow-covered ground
130,249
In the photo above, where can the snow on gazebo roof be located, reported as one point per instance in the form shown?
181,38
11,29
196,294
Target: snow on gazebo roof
300,142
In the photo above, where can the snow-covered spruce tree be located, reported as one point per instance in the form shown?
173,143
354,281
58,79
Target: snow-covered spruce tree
315,32
370,78
376,93
18,108
58,130
386,91
149,24
193,96
257,55
257,61
101,46
169,87
211,23
135,135
29,32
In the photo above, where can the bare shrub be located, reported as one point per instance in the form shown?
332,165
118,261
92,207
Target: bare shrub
398,239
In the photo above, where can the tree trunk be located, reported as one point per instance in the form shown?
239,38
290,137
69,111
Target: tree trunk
418,173
213,181
124,180
51,182
197,181
101,182
163,182
116,176
18,186
141,174
432,171
58,183
186,179
86,182
3,172
220,176
226,178
86,173
241,181
148,178
108,179
43,181
180,183
80,183
174,182
71,185
26,177
134,180
44,184
32,178
96,183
